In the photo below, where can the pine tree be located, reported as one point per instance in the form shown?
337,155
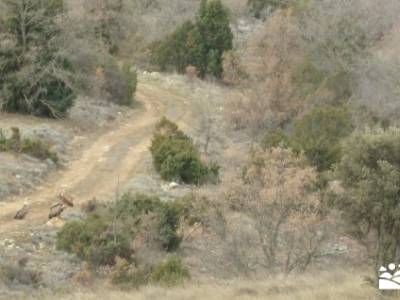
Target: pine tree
35,77
215,37
200,44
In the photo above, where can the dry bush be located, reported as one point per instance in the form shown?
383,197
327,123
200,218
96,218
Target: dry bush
19,273
337,34
269,59
233,68
377,78
84,276
276,192
250,111
352,43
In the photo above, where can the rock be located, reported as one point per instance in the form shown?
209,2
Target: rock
73,215
173,185
56,223
170,186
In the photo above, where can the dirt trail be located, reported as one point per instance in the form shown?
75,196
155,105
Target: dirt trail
116,156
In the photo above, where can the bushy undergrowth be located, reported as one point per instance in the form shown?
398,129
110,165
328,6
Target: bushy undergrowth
130,209
119,83
170,272
318,134
93,240
175,157
201,43
108,233
128,276
19,274
34,148
35,75
275,139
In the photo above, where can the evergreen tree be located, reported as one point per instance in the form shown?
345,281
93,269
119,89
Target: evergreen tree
369,172
175,50
35,77
201,44
215,37
319,133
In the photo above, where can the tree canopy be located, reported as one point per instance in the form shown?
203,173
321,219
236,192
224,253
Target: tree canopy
201,43
35,75
369,172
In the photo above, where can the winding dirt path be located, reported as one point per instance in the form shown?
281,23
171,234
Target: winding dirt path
116,156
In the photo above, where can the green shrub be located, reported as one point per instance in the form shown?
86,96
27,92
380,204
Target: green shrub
108,233
93,240
3,141
200,44
106,247
131,207
36,78
77,236
175,156
127,275
369,175
131,280
168,225
38,149
20,274
171,272
277,138
174,49
319,133
119,83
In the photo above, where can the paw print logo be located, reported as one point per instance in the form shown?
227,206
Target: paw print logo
389,278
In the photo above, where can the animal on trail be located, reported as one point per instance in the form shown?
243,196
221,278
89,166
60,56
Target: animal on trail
56,210
67,200
21,213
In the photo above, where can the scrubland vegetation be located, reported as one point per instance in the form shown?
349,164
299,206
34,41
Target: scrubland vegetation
175,156
36,148
310,93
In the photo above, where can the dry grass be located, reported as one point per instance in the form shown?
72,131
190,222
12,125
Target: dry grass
336,285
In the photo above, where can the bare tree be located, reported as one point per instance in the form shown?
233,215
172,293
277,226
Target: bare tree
275,192
269,101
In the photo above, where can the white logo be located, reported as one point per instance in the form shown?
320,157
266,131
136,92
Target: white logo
389,278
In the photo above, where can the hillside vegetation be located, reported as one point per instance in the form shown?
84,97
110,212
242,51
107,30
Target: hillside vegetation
247,141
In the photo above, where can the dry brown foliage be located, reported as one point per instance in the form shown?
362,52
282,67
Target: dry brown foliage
269,58
84,275
275,191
